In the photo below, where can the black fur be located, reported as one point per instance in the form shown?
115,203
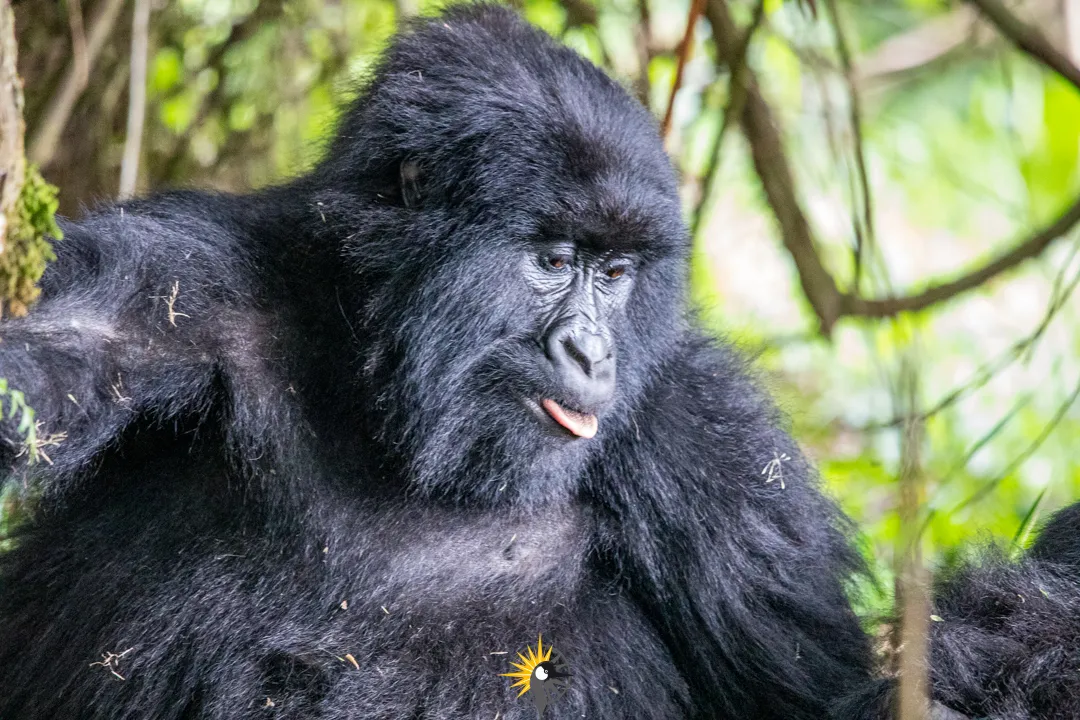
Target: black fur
292,438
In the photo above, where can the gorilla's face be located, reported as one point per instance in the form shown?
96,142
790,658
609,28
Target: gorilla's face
522,258
523,337
578,293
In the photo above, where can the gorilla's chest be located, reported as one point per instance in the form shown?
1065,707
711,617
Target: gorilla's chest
434,562
389,614
436,614
437,585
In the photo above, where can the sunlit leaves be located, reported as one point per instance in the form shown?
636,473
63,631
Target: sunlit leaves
1049,167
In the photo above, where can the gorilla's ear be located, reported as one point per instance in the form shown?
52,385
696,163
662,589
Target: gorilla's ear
411,191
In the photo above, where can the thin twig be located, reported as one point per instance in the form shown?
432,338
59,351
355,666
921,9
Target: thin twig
696,8
912,578
140,41
1030,450
737,88
644,46
988,436
1059,295
1024,529
865,232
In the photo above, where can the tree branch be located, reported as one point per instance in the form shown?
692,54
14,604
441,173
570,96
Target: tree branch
732,112
696,8
1028,39
140,40
1022,251
43,145
771,164
818,284
12,161
80,62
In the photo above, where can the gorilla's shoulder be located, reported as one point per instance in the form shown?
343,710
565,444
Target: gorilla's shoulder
193,236
193,213
705,414
714,381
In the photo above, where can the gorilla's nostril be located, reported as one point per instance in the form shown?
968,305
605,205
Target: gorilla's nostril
577,355
587,349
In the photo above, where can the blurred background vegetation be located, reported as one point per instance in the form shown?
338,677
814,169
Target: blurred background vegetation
882,194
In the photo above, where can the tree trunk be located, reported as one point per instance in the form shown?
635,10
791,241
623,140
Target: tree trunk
12,157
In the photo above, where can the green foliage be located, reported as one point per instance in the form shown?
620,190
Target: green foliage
14,501
27,248
1049,162
17,408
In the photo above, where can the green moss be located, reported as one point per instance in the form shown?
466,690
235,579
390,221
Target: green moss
27,248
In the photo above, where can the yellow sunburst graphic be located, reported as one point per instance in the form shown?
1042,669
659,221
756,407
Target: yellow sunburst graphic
528,664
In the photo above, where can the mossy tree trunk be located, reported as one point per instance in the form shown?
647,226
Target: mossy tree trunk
27,203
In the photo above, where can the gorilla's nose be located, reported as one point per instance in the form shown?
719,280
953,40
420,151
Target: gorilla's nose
585,362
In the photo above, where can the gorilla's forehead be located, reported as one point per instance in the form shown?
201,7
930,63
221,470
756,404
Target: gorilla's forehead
494,110
613,212
572,183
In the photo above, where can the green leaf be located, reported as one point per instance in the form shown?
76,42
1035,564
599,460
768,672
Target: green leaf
1050,168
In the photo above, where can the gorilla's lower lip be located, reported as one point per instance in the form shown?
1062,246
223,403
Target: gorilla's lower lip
583,425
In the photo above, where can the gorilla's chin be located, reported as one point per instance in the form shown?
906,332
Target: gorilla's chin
491,448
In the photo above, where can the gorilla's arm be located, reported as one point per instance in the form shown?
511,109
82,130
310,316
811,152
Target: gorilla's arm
1008,641
736,556
1009,636
146,307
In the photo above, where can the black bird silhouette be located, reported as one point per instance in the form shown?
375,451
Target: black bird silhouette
548,683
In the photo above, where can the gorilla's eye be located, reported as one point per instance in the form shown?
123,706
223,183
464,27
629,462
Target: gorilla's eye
558,261
618,268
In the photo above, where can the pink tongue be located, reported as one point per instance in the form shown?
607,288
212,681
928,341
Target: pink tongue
580,424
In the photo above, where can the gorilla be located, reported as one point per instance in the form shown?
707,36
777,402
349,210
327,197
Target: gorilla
343,447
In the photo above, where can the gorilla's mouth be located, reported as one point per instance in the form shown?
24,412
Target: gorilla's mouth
581,424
